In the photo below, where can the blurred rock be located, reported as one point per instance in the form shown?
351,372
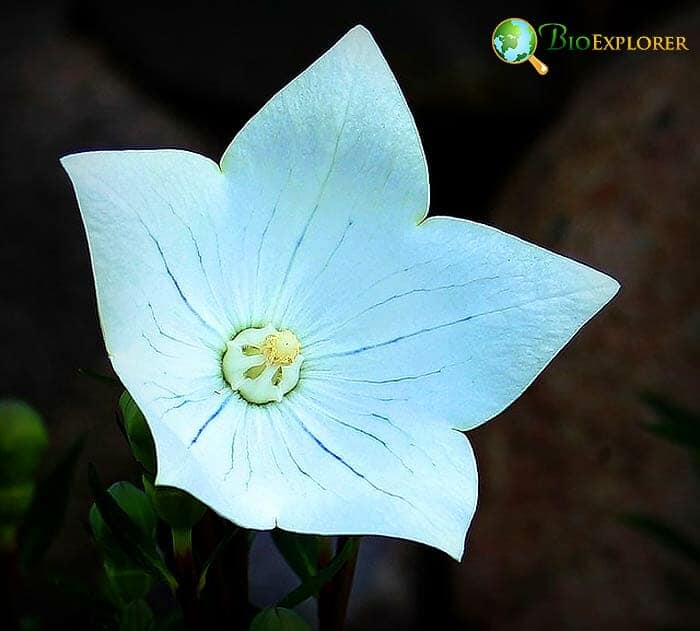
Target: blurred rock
613,184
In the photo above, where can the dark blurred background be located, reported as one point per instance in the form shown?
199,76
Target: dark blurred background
599,161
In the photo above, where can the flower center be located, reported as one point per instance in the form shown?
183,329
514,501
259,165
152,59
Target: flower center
281,348
263,364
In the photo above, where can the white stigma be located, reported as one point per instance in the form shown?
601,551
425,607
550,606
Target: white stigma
263,364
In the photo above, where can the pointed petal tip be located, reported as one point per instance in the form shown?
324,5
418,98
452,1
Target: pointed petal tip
607,286
72,160
457,553
615,285
360,37
78,155
67,159
360,31
454,547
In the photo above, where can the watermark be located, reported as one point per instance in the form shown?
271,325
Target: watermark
515,41
556,36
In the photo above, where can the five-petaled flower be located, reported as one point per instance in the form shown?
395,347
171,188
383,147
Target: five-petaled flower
306,346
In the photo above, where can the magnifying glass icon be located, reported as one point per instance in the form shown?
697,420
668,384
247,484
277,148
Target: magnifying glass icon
514,41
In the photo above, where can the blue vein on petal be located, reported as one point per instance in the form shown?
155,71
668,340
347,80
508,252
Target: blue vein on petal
247,453
370,347
411,443
324,184
155,348
266,229
296,463
268,417
174,280
216,413
359,430
305,300
185,401
199,255
244,424
383,279
431,373
410,292
344,463
473,316
162,332
234,442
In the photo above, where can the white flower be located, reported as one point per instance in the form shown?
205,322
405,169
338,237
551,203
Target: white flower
301,275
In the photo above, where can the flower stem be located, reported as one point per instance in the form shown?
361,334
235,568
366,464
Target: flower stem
226,589
186,577
236,558
333,598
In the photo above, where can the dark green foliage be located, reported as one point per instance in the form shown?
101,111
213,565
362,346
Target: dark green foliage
278,619
300,551
130,529
137,433
313,584
176,508
46,513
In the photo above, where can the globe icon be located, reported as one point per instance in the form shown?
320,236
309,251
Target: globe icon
514,41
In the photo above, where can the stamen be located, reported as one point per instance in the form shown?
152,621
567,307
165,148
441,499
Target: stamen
255,371
280,348
263,364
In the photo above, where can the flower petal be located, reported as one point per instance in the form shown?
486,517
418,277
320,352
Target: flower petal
153,220
453,320
312,224
332,156
332,466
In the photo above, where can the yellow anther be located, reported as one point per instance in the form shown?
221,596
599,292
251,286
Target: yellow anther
262,364
281,348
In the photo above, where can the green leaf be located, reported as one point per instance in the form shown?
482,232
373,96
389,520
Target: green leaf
134,502
23,441
47,512
137,432
130,537
665,535
300,551
676,424
176,508
215,555
126,580
137,616
278,619
128,583
313,585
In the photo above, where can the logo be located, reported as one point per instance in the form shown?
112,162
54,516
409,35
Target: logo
515,40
